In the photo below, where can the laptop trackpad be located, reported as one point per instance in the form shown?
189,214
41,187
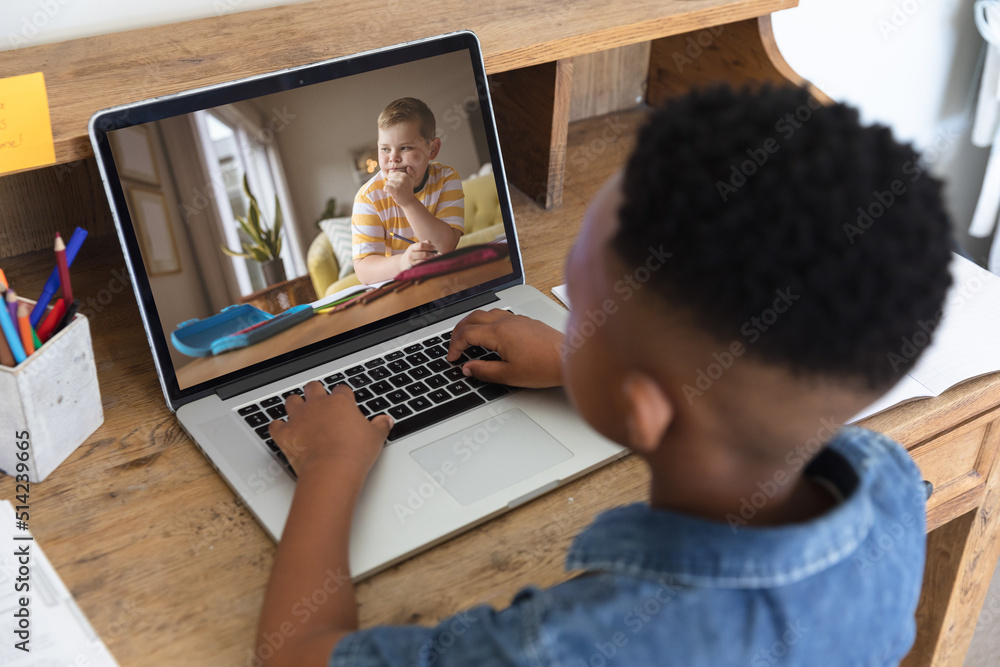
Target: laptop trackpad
490,456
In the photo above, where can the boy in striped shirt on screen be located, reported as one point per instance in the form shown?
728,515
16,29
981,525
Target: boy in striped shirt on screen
410,197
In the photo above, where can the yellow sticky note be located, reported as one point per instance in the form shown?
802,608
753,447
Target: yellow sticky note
25,127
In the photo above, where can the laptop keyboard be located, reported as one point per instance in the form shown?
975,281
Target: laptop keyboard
415,384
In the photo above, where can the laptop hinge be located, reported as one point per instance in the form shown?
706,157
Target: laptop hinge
249,383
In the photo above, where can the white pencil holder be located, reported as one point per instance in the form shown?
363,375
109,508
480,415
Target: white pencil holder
53,396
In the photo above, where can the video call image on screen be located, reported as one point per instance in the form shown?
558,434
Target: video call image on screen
312,149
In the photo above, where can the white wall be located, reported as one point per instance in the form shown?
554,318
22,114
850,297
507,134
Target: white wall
908,64
30,22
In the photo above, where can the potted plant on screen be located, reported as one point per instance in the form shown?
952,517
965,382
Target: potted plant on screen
264,243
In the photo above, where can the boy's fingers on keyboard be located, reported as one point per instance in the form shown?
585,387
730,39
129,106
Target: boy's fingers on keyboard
342,389
470,330
483,335
489,371
314,389
385,423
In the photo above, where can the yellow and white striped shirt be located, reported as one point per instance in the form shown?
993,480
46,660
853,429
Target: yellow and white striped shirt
376,216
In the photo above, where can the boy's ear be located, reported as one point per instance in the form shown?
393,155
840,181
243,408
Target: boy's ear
649,412
435,147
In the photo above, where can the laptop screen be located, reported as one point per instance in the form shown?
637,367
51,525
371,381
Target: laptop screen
256,200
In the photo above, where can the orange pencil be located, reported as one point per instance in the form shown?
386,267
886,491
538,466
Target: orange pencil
67,286
3,280
24,324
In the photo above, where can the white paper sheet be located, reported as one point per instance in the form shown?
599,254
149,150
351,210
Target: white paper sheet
60,634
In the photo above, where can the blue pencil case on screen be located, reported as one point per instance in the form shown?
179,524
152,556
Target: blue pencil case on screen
233,328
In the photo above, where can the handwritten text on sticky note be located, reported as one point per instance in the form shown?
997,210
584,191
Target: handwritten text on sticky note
25,128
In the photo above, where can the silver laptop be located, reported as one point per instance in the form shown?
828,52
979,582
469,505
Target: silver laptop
175,170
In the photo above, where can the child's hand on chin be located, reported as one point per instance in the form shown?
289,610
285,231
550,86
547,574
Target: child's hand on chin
328,431
399,185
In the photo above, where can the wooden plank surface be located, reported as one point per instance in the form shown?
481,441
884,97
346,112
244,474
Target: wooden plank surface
34,205
609,81
170,569
532,116
89,74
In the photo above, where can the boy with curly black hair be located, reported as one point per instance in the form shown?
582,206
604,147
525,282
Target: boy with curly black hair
728,368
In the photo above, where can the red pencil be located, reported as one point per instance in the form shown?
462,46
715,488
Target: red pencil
67,286
52,319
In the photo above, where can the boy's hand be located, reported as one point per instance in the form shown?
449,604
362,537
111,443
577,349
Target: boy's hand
530,349
418,252
329,431
399,185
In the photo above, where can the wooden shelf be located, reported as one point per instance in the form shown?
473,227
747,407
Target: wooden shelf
85,75
529,49
96,507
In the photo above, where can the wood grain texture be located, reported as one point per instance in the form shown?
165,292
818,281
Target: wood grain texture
34,205
93,73
170,569
961,556
532,115
609,81
734,53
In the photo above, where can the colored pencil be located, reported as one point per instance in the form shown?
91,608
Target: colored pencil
11,298
68,317
6,358
53,318
52,284
63,266
24,325
13,338
3,280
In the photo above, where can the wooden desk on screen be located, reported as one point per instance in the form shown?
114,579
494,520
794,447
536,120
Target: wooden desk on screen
170,568
321,327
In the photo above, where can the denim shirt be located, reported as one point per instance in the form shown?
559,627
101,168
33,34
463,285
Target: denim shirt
662,588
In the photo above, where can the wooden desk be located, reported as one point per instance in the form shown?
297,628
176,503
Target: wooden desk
171,570
280,297
321,327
